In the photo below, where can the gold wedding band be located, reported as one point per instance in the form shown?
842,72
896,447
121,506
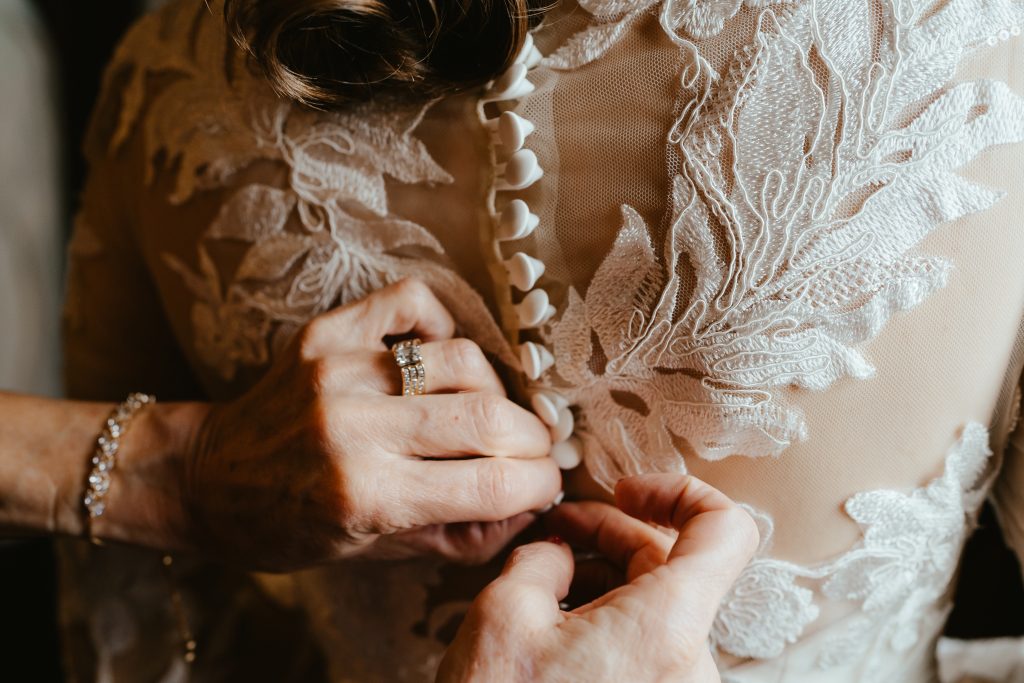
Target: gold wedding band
410,363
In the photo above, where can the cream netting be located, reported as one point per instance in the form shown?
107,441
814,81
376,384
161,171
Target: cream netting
738,204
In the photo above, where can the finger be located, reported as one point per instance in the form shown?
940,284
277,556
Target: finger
477,490
709,523
468,543
535,579
634,547
452,425
452,365
716,540
407,307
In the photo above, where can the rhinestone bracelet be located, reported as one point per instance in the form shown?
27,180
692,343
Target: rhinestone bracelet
105,456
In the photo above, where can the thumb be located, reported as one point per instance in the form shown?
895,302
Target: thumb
535,578
716,541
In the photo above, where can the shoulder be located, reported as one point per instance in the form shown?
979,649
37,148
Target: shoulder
182,43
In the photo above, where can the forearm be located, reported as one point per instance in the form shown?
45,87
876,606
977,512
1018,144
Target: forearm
45,451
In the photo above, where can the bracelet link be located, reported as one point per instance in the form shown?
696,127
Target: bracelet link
104,458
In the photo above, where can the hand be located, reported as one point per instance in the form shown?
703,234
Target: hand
323,459
654,628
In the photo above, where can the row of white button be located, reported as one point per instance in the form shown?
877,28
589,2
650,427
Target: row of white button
518,172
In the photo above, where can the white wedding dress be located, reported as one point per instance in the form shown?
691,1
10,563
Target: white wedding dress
774,243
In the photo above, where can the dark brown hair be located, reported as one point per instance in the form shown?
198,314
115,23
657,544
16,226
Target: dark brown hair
329,53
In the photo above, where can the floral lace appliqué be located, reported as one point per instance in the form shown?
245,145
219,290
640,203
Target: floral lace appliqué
327,238
808,175
902,567
680,19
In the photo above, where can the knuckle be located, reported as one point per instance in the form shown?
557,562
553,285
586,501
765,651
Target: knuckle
413,289
494,598
464,357
491,418
495,486
518,556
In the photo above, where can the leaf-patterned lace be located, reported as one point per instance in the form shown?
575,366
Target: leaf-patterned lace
681,19
807,177
327,238
902,566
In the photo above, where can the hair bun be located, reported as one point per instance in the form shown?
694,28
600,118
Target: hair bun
328,53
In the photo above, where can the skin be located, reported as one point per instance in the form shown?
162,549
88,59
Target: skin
654,627
320,461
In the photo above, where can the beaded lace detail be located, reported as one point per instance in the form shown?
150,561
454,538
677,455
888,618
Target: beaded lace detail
806,176
902,566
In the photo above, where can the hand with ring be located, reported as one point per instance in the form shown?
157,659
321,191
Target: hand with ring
325,458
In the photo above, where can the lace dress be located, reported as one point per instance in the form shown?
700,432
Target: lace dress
773,243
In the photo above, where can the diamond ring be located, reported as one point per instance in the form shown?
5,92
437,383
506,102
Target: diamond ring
410,362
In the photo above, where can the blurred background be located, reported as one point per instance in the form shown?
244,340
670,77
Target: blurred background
52,54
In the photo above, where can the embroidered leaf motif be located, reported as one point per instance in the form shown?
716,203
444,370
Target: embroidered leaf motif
679,18
253,213
902,566
794,220
588,45
701,18
327,238
271,258
766,608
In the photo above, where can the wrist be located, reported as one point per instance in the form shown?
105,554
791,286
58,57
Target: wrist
145,504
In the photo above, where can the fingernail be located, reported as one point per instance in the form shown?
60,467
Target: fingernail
559,498
557,540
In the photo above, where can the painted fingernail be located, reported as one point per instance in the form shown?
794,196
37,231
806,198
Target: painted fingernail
557,540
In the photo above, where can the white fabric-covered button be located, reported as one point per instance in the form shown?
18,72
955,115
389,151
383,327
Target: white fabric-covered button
520,171
536,359
516,221
545,408
524,271
511,85
548,405
566,423
534,310
529,56
567,454
513,130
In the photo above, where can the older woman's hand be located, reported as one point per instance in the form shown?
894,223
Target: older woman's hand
324,458
654,628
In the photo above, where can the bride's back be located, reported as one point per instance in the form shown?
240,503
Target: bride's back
768,246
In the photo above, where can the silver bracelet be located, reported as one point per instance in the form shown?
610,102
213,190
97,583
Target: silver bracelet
105,457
